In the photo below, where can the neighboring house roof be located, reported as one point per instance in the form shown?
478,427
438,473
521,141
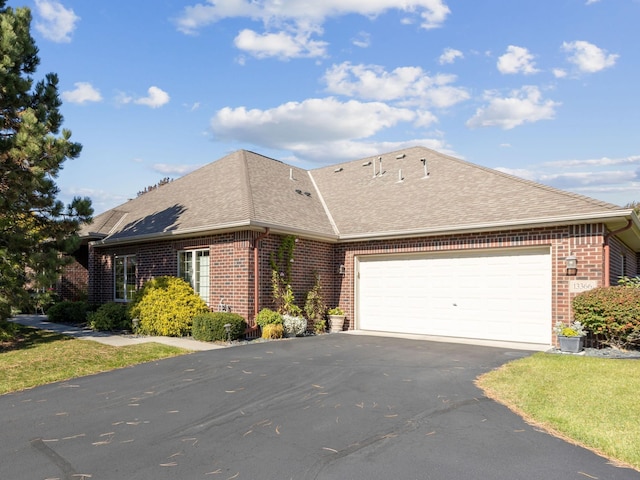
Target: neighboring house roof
355,200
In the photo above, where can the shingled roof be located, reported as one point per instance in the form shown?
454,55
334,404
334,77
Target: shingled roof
376,197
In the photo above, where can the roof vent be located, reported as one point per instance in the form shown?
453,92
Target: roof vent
308,194
426,171
291,174
402,155
366,164
400,177
338,170
298,191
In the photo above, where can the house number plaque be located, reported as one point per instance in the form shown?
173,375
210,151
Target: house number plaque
577,286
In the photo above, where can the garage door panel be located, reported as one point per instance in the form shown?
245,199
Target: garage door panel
502,295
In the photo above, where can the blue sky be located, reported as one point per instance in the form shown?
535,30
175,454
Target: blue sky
544,89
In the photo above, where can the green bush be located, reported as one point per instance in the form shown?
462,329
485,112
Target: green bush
5,310
209,327
613,313
267,316
110,316
166,306
67,312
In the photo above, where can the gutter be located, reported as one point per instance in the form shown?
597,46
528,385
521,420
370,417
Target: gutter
256,274
488,227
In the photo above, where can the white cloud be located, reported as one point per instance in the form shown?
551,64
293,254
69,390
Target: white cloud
315,120
345,150
596,177
559,73
450,55
179,170
525,105
591,2
273,12
588,57
595,162
281,44
517,60
408,85
363,40
156,98
290,24
83,93
55,22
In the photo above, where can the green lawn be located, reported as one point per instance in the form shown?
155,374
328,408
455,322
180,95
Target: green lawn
41,357
591,401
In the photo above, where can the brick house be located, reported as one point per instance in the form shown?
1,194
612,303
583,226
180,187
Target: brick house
412,241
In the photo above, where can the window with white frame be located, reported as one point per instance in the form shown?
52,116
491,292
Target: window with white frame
193,267
125,277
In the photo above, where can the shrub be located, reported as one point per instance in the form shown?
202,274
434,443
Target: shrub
110,316
314,306
5,309
319,327
272,331
8,331
613,313
267,316
166,306
68,312
294,326
629,281
209,327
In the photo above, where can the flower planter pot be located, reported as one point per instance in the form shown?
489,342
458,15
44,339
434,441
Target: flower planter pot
571,344
336,323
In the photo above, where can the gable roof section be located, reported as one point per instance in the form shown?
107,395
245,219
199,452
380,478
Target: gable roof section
348,202
456,195
242,190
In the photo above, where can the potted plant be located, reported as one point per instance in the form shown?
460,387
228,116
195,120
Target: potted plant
336,319
570,337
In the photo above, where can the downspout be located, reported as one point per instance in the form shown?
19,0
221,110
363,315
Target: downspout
256,273
605,246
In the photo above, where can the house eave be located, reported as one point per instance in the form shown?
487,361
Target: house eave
213,230
610,219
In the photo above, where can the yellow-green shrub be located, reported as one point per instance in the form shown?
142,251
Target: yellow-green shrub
273,330
166,306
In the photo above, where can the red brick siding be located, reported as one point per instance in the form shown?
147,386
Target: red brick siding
73,282
231,257
584,241
309,257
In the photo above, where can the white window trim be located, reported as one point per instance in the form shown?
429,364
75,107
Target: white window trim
192,281
115,279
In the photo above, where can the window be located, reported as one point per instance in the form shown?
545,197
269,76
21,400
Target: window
193,267
125,271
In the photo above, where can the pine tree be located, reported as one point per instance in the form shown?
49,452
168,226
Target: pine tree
35,227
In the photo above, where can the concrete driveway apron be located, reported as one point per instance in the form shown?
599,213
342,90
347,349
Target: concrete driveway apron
328,407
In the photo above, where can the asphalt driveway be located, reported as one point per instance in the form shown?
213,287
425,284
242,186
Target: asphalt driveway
328,407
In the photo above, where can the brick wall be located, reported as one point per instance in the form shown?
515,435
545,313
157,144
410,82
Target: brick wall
583,241
231,272
73,282
231,257
309,257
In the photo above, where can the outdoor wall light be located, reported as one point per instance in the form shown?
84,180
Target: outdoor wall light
572,265
342,270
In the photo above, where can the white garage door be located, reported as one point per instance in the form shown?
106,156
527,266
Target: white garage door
498,295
